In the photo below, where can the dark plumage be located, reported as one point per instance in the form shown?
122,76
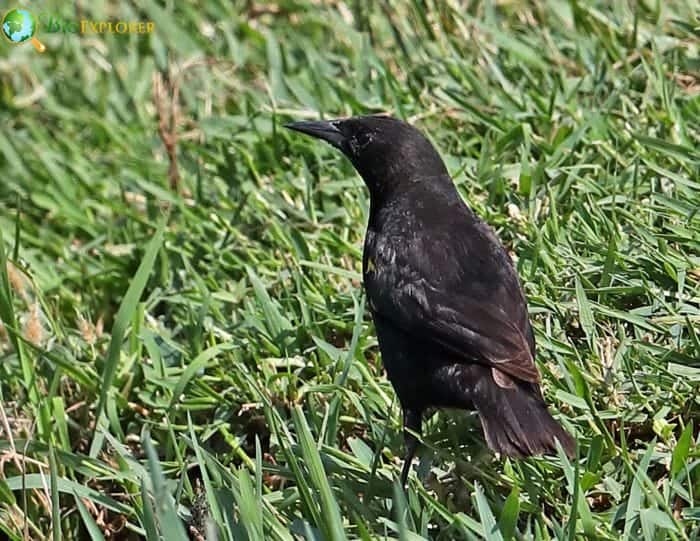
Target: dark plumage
450,315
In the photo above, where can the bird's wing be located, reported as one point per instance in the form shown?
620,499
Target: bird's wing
459,292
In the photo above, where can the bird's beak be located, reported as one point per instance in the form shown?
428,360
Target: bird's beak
321,129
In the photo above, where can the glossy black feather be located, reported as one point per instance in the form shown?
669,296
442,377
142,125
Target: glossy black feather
437,271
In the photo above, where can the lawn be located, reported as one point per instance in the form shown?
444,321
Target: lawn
185,346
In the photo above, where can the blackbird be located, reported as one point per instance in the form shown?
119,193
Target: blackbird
450,314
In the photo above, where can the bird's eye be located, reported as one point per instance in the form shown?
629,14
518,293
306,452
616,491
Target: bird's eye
363,139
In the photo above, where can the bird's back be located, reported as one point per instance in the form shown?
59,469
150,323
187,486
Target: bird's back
427,233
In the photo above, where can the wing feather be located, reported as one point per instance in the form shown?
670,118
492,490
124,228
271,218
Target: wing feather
461,293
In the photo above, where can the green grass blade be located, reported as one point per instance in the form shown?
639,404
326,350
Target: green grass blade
488,521
90,525
332,522
124,315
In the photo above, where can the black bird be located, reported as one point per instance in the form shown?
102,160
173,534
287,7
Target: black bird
450,315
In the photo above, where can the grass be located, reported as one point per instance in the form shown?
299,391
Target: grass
185,350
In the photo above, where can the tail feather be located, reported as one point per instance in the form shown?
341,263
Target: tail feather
516,421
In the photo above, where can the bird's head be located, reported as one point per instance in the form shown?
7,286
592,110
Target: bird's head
387,152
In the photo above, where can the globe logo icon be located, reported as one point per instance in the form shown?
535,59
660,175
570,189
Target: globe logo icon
19,26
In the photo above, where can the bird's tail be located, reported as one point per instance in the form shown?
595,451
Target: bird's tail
516,421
